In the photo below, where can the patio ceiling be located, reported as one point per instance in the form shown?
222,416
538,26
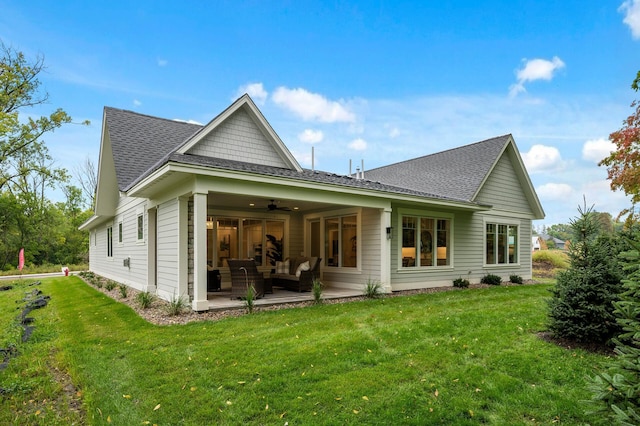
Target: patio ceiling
259,204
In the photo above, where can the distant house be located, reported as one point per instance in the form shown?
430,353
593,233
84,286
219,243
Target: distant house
538,243
174,199
556,242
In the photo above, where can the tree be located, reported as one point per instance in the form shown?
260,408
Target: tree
87,177
561,231
19,90
617,389
27,218
581,307
623,164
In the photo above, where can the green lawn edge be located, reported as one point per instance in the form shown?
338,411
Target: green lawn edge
458,357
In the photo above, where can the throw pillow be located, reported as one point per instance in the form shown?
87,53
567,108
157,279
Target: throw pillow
304,266
282,267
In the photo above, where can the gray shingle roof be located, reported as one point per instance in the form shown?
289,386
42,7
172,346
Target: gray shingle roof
141,144
305,175
456,173
139,141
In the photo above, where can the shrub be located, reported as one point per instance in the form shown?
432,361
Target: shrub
317,292
176,306
461,283
145,299
97,282
110,285
123,291
515,279
555,258
581,308
491,279
250,298
372,289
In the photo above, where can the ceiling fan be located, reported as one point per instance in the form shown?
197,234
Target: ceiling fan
273,206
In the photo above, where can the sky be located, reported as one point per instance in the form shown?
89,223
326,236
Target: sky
369,81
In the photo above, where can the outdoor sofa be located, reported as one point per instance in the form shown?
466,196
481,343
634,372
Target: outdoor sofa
296,274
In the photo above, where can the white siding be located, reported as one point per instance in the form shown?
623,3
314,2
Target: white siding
369,256
502,189
168,244
113,267
238,138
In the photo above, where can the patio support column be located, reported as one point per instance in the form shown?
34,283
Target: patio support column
385,249
200,302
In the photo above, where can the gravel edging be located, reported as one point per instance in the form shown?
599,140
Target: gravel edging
158,314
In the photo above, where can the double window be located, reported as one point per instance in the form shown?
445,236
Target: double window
258,239
341,237
426,241
501,244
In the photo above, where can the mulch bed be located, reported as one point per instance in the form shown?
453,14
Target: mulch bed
158,314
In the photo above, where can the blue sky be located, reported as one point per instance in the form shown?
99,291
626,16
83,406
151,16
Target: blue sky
378,82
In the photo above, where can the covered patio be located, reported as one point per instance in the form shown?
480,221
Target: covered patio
221,300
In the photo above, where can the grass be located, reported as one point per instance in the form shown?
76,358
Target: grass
43,269
556,258
455,357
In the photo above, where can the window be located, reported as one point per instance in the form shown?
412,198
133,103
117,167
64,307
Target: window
425,241
258,239
140,227
501,244
120,232
110,241
341,236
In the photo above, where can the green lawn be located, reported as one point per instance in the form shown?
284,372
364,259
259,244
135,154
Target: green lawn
459,357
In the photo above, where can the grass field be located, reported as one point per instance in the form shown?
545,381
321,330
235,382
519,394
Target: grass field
460,357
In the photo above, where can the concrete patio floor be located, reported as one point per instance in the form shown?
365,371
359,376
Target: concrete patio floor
220,300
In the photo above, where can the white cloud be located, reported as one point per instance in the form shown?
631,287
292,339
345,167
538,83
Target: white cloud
542,158
312,106
554,191
631,10
358,144
535,69
596,150
255,90
188,121
136,102
311,136
394,133
162,62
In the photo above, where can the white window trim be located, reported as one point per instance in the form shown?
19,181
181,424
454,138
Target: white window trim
427,214
109,257
140,213
357,212
240,216
500,220
120,227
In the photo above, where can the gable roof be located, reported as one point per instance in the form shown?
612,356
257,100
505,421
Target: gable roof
144,148
457,172
139,141
460,172
142,143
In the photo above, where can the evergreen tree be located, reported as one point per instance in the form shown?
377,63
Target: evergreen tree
581,308
617,391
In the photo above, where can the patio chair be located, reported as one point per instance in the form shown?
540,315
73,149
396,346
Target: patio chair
244,273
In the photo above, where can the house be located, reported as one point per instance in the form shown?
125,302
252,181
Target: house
538,243
174,199
556,243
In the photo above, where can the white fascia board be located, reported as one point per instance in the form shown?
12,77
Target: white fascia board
234,182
